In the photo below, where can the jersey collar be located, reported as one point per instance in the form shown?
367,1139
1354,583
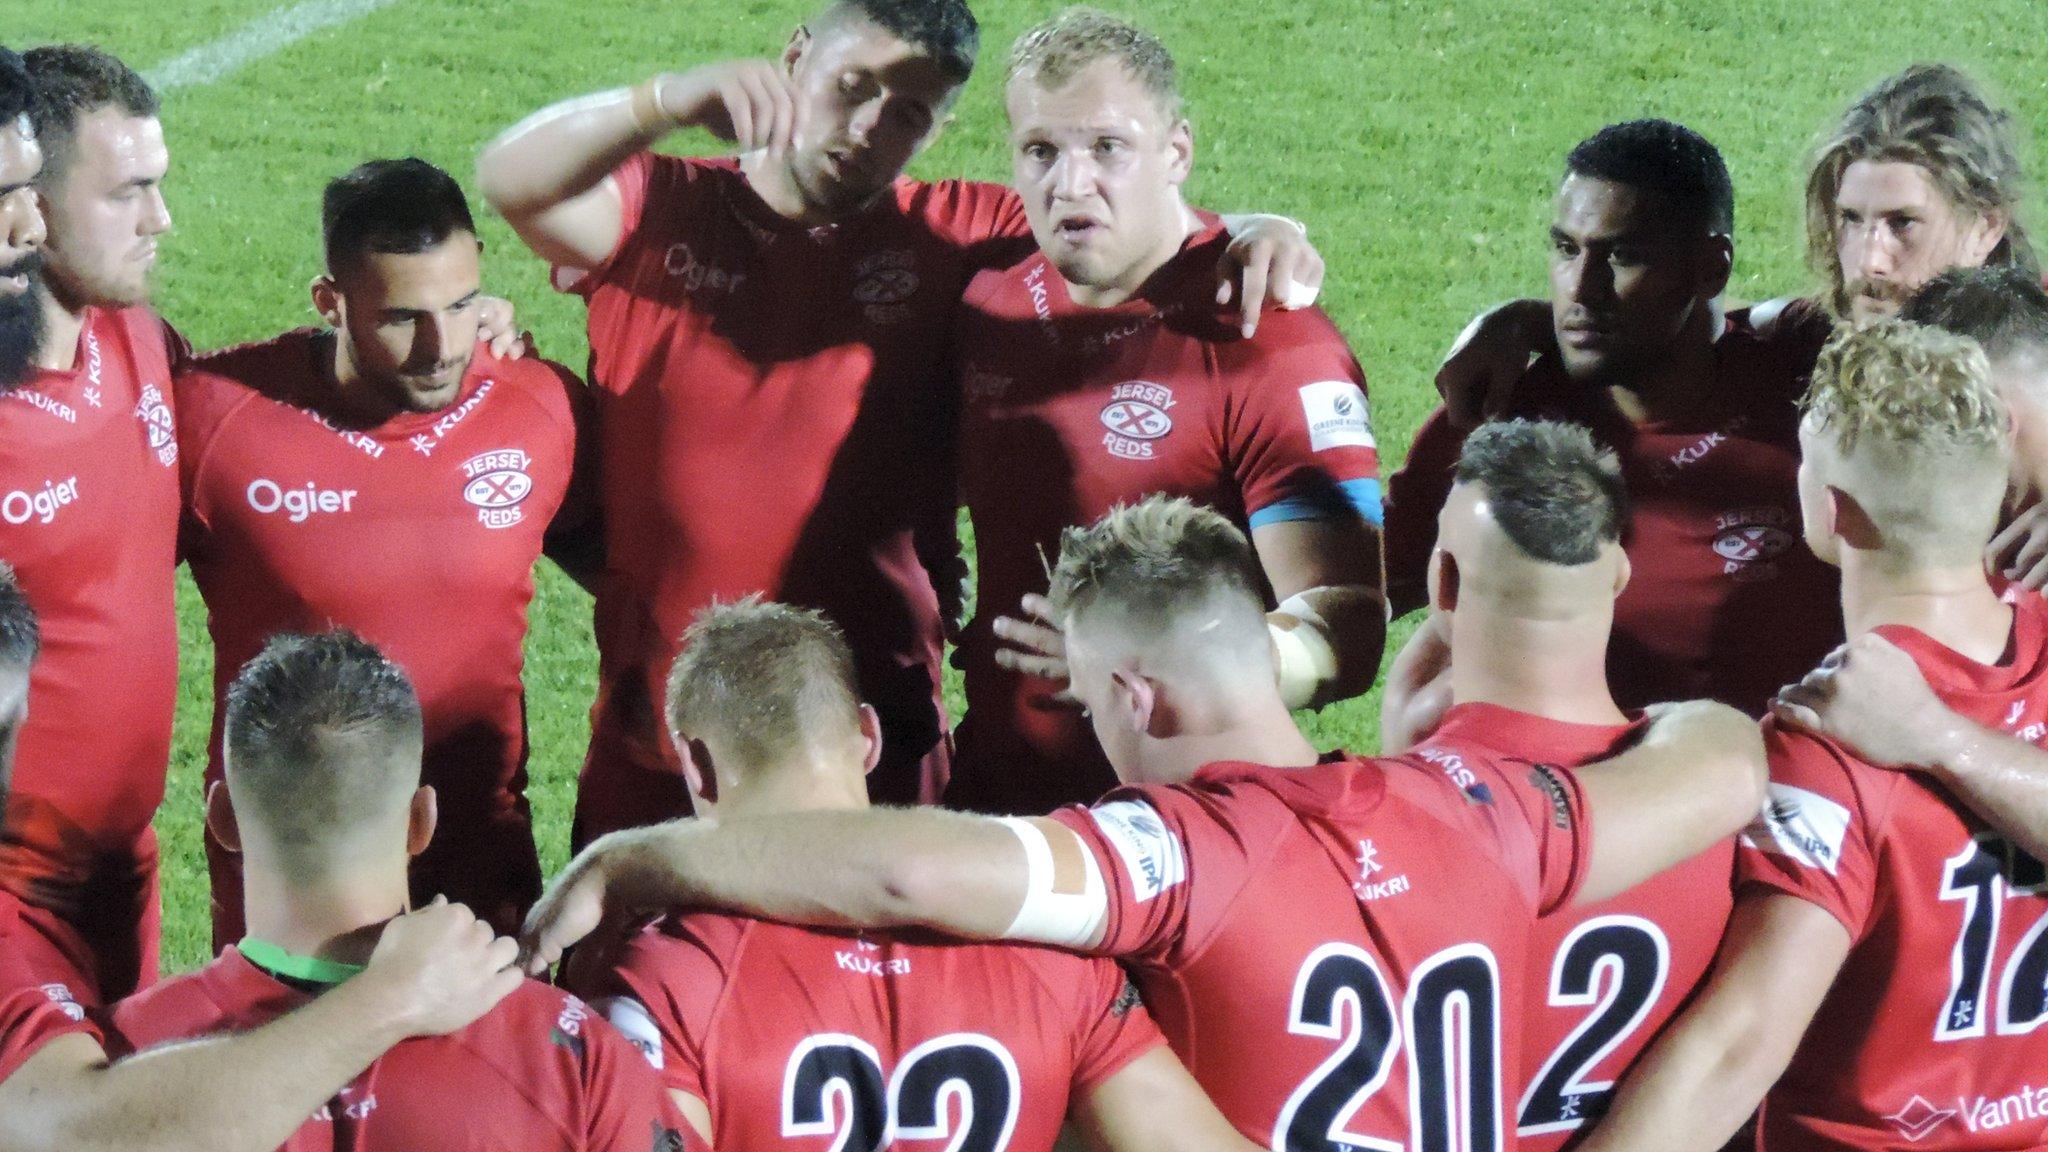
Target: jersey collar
305,969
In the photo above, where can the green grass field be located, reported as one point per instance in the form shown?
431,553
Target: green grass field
1421,141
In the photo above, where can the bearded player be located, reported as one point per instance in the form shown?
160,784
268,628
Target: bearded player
388,475
1099,370
1723,601
770,338
731,1010
323,799
1278,908
1879,983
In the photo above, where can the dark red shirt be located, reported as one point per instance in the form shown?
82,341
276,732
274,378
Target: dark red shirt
34,1008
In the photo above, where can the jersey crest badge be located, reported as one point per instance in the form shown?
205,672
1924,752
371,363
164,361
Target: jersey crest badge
155,413
883,282
1749,541
1139,412
496,482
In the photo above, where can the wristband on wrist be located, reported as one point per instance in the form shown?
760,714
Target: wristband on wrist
648,114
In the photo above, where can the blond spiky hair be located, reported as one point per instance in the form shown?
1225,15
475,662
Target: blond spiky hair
1149,558
1057,50
760,680
1906,385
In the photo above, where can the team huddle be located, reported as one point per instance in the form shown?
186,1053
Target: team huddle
1712,798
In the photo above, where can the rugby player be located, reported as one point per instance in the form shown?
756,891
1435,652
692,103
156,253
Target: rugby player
323,799
763,706
770,342
388,475
433,971
1100,369
1723,601
1879,982
21,224
1293,920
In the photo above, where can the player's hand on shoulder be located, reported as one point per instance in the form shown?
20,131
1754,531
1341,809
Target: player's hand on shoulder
2020,551
497,328
750,102
1033,643
1478,376
1869,695
571,908
1706,725
440,968
1269,261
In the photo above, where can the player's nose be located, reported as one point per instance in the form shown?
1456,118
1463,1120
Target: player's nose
1073,175
21,224
156,219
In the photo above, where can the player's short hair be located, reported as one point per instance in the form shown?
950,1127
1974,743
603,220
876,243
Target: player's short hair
1055,51
760,680
394,207
74,81
17,89
2002,308
1556,494
322,739
944,30
1151,560
1939,119
21,637
1678,164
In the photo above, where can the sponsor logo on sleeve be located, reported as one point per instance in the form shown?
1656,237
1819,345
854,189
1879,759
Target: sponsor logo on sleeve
496,482
1545,779
1338,416
60,995
1151,853
1138,413
1804,826
635,1023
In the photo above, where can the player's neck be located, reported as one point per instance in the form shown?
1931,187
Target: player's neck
808,787
351,401
774,182
1954,606
1134,280
1257,731
63,324
1681,383
329,919
1556,669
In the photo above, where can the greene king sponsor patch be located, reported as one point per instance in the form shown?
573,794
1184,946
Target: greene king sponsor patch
1151,854
1337,415
633,1022
1802,825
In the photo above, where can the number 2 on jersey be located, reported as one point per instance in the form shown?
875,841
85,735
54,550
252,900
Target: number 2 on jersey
1617,965
834,1086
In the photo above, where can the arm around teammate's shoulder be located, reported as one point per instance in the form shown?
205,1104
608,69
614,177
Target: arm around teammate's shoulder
1153,1104
1696,777
1712,1066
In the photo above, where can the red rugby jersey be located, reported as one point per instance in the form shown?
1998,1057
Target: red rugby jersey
1602,979
767,1023
34,1009
1337,952
1071,411
1724,600
420,534
88,520
1931,1037
539,1071
776,415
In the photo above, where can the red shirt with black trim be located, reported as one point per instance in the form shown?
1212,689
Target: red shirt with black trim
1724,600
89,523
419,534
1603,979
1071,411
34,1008
1336,952
776,411
809,1039
1932,1034
539,1071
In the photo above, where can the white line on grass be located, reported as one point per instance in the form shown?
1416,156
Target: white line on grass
260,37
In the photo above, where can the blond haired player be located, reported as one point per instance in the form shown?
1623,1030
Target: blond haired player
1882,979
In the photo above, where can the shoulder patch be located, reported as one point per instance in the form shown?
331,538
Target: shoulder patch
1543,777
1151,853
1804,826
635,1023
1337,414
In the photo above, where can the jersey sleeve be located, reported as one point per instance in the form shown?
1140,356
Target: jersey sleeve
1815,838
1112,1026
32,1015
639,180
1298,435
1415,497
986,222
1172,860
1545,828
626,1108
661,993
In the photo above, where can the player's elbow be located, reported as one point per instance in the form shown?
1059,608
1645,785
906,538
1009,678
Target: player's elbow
1737,787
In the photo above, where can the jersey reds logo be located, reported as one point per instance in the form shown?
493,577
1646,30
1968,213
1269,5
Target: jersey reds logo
886,277
497,483
1136,415
1748,540
155,415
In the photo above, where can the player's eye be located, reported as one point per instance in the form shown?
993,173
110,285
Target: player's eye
1109,147
1564,248
1038,153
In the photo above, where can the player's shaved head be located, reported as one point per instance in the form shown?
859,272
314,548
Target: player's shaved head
1904,447
322,749
72,82
944,30
1052,53
761,686
20,639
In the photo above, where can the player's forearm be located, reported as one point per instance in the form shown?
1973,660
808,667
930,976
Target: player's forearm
1697,777
1332,651
565,149
2000,777
1690,1093
874,868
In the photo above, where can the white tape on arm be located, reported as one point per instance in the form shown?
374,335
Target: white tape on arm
1302,654
1062,919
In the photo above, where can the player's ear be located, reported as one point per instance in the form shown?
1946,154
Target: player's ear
1621,573
1849,523
871,739
698,771
1135,699
1718,265
423,814
1443,581
327,300
799,43
220,817
1986,230
1181,141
